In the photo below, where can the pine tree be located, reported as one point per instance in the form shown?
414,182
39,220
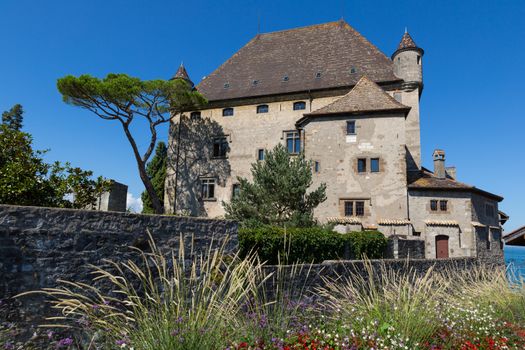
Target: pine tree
13,118
279,193
156,171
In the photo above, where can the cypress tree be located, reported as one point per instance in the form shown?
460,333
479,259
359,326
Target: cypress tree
156,170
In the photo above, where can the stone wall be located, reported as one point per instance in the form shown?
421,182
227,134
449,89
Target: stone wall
401,248
40,245
308,278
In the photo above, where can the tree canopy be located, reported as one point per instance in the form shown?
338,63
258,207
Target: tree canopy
26,179
123,98
279,193
12,119
156,170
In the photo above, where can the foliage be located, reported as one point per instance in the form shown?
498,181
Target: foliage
279,193
156,170
25,179
313,244
13,118
119,97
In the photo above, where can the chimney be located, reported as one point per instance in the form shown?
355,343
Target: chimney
439,164
451,171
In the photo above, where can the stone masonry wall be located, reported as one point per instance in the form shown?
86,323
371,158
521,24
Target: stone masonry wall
40,245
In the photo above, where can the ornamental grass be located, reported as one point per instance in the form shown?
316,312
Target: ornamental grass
162,301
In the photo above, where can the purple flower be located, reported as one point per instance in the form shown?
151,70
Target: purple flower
50,334
106,302
121,342
9,346
63,343
95,306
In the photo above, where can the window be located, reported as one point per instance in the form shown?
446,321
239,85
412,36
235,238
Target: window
489,210
227,112
220,147
350,127
195,115
349,208
354,207
299,105
443,205
361,165
317,166
255,82
226,85
285,78
293,142
418,59
236,189
374,165
260,154
208,189
318,75
353,70
262,109
359,208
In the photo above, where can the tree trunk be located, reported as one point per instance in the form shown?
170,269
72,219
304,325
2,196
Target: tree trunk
141,164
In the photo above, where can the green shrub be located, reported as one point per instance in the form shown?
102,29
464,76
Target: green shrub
313,244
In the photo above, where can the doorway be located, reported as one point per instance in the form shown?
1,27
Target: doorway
441,247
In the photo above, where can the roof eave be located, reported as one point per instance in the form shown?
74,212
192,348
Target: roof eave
455,189
307,116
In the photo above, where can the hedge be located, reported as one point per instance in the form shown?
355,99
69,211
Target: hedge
314,244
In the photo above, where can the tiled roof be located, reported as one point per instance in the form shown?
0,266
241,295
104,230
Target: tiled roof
441,223
344,220
394,222
323,56
366,96
182,74
425,180
406,42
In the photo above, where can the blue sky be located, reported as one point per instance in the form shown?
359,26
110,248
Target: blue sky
472,105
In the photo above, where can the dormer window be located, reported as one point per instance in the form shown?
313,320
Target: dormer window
227,112
226,85
285,78
353,70
299,105
318,75
262,109
255,82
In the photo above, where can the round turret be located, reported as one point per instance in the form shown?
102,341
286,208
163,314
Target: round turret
408,61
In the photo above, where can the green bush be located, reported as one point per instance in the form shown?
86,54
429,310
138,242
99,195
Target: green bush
313,244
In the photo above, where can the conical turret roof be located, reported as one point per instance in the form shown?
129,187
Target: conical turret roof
182,74
406,42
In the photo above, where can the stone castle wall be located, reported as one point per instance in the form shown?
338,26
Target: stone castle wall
40,245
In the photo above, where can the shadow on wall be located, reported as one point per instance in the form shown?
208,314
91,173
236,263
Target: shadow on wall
190,160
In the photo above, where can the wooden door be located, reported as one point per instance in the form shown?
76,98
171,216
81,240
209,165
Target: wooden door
441,247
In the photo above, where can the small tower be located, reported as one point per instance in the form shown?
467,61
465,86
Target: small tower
408,61
182,74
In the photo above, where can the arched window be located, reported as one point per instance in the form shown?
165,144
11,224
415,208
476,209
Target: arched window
299,105
195,115
227,112
262,109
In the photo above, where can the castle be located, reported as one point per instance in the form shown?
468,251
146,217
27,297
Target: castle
325,90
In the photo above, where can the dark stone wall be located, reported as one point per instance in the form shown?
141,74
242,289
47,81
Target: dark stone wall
40,245
401,248
308,278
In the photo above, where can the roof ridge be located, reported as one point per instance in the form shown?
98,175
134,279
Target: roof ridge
305,27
